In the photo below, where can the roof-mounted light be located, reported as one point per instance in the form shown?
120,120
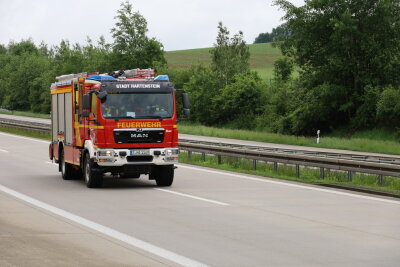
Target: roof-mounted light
101,78
162,78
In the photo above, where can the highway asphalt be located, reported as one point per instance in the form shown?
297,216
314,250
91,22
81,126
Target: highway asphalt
207,217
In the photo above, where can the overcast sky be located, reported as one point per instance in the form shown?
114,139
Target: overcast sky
178,24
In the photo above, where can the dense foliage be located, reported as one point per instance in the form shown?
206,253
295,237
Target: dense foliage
349,58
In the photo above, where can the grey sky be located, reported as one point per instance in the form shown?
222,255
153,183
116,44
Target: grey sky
178,24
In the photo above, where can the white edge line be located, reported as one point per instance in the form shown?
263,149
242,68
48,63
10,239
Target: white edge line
194,197
3,150
171,256
266,180
26,138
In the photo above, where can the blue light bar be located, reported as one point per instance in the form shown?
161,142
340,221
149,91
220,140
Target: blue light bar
162,78
101,78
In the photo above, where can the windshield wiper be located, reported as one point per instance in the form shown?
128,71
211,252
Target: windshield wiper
150,117
120,117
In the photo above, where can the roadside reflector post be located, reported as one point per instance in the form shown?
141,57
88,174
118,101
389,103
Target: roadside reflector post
321,173
219,159
275,166
254,164
318,132
380,179
297,170
350,176
203,156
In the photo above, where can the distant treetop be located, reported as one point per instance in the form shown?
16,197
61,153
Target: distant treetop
274,36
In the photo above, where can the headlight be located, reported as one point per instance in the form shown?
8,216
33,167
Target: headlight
106,153
169,152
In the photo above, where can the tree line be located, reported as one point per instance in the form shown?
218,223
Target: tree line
27,70
340,68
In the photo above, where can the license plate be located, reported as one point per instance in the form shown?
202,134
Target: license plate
140,152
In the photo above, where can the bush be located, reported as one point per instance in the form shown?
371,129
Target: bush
388,107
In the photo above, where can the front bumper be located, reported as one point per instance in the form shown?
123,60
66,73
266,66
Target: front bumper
140,156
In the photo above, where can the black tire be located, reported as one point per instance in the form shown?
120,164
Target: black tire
164,175
67,170
92,178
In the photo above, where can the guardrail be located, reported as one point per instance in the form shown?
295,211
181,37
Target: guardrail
26,125
350,162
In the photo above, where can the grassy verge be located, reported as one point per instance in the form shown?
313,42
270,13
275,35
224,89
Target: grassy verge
26,114
25,133
357,143
307,175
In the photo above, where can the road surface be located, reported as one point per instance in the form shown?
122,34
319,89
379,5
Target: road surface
207,217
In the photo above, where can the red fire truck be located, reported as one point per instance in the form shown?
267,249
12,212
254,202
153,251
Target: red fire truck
122,123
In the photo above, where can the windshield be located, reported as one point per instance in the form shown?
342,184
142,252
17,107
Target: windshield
137,105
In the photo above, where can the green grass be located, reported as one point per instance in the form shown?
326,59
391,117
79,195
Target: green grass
357,143
26,114
262,58
307,175
25,133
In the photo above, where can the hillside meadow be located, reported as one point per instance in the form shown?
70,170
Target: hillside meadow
262,57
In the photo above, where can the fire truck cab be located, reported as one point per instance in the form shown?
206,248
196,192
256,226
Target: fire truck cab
122,123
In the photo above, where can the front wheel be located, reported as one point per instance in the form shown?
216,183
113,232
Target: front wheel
164,175
92,178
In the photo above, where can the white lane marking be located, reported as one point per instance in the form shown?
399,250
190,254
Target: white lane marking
26,138
3,150
194,197
166,254
49,162
266,180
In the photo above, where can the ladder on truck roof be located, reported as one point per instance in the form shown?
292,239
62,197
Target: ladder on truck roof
128,74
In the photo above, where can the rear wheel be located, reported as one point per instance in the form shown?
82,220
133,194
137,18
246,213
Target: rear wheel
164,175
92,178
67,170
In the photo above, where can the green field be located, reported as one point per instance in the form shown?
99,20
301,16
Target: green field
262,57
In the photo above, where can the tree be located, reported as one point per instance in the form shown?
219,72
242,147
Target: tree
341,45
275,35
230,55
132,48
283,68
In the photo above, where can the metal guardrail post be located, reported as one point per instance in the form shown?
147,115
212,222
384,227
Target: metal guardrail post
380,179
254,164
297,170
322,173
189,154
275,166
219,159
350,176
203,156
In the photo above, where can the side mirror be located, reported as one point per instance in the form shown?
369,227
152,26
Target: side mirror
85,113
86,102
186,112
185,100
102,95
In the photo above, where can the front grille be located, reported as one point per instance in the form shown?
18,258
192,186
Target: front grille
139,136
139,158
